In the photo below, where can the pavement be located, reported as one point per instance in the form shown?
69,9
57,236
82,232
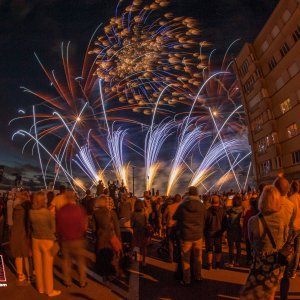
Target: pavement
155,281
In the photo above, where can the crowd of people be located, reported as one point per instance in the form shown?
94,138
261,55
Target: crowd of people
268,220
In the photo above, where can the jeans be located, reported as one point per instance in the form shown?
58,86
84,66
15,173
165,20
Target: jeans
231,250
186,249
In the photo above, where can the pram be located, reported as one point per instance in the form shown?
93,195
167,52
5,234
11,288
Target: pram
126,257
163,249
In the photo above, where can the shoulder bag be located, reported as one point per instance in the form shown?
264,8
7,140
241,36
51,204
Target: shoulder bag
286,253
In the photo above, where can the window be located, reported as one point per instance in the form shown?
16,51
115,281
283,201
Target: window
277,162
296,157
296,34
273,138
249,84
266,167
244,67
286,105
265,46
293,69
284,49
257,123
262,146
272,63
286,16
275,31
292,130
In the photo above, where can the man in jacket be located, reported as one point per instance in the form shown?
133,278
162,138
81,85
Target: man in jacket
215,225
71,224
190,217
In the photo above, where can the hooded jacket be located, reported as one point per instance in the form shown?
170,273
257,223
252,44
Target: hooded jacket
215,221
190,216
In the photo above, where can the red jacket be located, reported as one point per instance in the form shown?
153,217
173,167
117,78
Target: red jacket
71,221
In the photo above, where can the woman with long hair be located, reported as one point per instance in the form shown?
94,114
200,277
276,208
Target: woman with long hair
43,237
19,238
265,273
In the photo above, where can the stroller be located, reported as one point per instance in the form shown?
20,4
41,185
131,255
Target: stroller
163,249
126,257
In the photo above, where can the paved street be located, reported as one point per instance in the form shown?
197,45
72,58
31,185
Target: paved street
155,281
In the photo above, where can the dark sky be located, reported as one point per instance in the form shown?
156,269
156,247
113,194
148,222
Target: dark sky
41,25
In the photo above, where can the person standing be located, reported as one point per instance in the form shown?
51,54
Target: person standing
249,214
43,228
139,221
59,200
265,273
2,206
106,227
295,199
288,209
215,226
88,202
71,224
171,225
19,238
190,217
234,230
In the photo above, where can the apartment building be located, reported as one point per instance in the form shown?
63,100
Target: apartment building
268,72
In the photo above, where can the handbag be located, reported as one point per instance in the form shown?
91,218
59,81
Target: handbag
286,253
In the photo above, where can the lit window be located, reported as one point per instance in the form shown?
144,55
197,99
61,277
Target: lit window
272,63
292,130
266,167
284,49
257,123
296,157
262,146
286,105
274,137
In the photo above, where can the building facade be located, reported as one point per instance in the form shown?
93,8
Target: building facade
268,72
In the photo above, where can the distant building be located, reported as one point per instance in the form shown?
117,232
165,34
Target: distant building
269,77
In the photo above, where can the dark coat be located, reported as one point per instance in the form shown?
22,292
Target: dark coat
215,221
190,216
234,229
105,225
19,240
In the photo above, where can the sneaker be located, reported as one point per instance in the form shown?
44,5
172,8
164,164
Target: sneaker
293,275
54,293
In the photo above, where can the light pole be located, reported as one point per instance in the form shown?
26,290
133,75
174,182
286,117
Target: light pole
133,180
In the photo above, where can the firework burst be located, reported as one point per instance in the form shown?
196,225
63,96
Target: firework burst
139,54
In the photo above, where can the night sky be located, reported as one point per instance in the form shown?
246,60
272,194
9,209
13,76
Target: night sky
40,26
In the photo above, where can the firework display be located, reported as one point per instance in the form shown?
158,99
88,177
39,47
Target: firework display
139,53
149,92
